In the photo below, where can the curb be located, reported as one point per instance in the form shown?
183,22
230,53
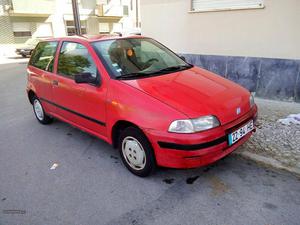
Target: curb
268,161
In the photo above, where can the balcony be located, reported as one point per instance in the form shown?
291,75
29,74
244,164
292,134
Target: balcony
32,7
109,8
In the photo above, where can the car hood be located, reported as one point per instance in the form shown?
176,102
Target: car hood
25,47
197,92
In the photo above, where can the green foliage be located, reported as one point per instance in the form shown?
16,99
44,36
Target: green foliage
71,65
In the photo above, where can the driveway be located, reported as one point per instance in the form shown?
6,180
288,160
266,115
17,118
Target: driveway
90,185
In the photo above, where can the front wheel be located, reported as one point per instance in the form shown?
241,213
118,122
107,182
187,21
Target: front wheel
136,152
39,112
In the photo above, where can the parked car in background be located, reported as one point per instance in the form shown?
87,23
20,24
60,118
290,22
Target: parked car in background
26,49
142,98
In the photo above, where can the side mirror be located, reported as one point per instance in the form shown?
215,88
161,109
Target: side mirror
182,57
86,78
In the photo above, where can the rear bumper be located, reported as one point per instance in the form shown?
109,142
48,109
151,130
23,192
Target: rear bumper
199,149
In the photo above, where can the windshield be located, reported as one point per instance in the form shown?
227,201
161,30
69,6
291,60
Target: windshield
137,57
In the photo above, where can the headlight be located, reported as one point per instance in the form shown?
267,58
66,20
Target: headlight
194,125
251,100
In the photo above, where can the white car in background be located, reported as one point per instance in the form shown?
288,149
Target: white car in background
27,48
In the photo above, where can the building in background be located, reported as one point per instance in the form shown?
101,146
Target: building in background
23,19
253,42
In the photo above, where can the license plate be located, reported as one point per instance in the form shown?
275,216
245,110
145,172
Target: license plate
241,132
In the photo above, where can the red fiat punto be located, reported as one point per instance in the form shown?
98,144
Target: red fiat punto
142,98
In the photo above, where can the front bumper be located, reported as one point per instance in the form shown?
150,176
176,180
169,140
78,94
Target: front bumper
23,52
199,149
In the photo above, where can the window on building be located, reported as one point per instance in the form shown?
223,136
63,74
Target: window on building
71,27
117,28
74,59
43,55
21,29
218,5
125,10
104,28
1,10
43,30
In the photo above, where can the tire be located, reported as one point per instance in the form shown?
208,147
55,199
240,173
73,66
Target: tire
39,112
136,152
24,56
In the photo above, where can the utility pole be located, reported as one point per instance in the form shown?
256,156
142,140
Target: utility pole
76,17
137,13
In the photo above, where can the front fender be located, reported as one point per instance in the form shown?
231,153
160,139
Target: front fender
127,103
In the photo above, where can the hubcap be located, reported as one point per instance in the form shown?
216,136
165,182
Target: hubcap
38,109
133,153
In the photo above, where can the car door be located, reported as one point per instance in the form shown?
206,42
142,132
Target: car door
40,71
80,104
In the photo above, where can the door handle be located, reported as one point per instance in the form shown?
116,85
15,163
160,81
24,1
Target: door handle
55,82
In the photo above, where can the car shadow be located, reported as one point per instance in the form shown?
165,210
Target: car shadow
215,175
167,175
16,57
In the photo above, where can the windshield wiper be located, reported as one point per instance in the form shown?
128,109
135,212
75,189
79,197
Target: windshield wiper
132,75
174,68
145,74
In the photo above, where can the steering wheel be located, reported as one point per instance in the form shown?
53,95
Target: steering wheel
150,62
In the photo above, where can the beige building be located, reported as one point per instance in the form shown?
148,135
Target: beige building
271,29
23,19
253,42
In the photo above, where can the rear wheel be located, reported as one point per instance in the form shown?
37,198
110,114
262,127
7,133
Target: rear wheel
39,112
136,152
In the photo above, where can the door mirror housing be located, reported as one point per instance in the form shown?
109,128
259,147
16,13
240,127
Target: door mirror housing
87,78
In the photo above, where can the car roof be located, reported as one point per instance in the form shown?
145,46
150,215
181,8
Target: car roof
92,38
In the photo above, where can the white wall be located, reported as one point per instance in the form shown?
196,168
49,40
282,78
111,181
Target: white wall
272,32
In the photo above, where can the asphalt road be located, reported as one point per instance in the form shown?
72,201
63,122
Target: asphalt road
90,186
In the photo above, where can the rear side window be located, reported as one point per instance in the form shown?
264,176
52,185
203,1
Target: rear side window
43,55
74,59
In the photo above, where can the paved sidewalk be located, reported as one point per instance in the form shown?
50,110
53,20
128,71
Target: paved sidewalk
273,139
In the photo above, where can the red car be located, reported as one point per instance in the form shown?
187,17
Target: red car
142,98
